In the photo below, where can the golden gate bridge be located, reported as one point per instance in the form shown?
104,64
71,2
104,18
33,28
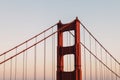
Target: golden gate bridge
61,52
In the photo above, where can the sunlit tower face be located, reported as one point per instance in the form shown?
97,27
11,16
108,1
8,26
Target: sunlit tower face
65,49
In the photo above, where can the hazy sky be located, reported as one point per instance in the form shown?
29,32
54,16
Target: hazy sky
21,19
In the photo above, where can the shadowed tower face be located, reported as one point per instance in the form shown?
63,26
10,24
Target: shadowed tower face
76,74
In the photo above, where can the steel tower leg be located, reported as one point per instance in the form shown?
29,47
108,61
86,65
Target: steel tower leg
75,50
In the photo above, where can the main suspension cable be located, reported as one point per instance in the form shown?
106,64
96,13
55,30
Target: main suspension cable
98,42
34,44
28,40
100,60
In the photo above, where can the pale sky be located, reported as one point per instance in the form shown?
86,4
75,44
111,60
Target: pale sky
21,19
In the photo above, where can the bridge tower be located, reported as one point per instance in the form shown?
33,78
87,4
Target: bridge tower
75,50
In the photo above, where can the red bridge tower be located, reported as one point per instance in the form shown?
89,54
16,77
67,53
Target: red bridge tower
75,50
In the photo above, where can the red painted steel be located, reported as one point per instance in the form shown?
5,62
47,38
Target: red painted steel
75,50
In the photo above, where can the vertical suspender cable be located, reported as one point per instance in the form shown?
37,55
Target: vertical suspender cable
100,66
111,68
84,54
104,74
16,65
10,69
115,71
90,59
101,69
96,61
119,70
53,56
23,65
106,64
26,64
4,68
35,60
44,58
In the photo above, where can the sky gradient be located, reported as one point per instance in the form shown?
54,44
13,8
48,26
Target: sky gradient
20,20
